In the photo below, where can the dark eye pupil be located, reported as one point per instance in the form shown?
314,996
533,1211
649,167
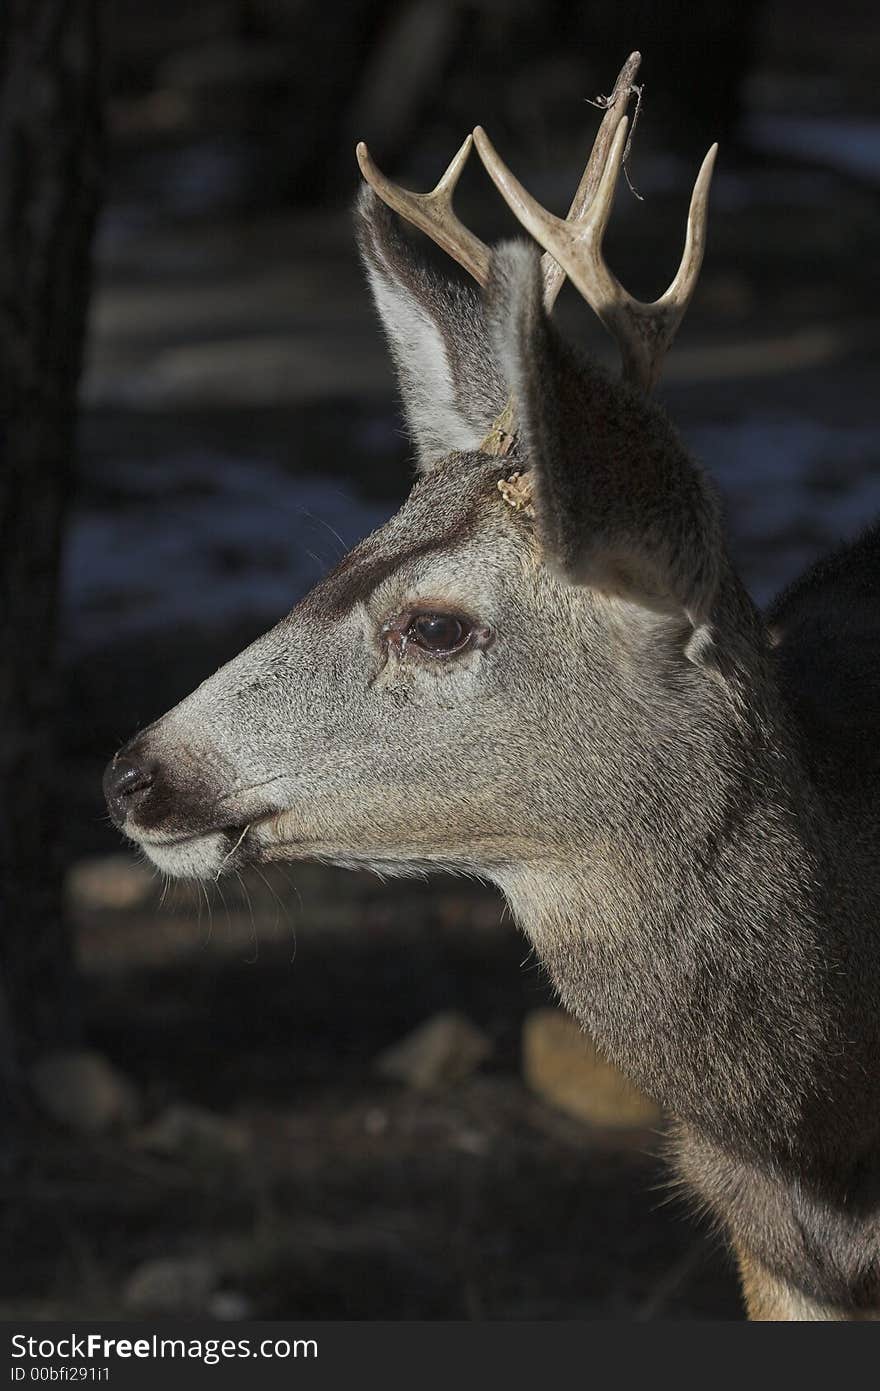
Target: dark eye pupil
438,631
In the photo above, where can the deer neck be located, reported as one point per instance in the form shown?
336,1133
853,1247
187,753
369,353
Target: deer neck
689,944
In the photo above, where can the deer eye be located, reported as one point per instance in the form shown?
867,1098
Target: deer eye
440,633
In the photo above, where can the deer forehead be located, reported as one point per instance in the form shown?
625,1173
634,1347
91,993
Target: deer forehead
454,532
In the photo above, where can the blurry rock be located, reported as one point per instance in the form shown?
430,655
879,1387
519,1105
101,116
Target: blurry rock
375,1121
561,1065
230,1305
192,1133
440,1052
171,1285
110,881
83,1091
471,1141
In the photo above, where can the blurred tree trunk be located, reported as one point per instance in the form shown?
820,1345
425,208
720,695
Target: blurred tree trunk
50,142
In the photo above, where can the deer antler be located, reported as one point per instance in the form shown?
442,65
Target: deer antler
643,331
573,245
615,112
433,214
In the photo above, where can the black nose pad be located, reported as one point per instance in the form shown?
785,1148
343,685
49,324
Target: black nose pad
126,784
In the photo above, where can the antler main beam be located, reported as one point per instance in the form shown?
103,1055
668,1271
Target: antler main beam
615,112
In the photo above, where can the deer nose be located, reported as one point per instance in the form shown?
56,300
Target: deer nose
127,783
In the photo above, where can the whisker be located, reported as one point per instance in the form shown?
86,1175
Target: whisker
328,527
251,961
166,885
289,918
321,564
229,929
279,906
210,907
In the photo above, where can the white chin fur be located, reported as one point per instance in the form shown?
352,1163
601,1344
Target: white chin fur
199,858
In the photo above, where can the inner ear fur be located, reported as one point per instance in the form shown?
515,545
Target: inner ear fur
436,328
619,505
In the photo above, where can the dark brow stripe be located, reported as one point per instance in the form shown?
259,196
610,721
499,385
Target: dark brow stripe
364,568
445,508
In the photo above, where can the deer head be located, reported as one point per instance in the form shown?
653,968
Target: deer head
485,682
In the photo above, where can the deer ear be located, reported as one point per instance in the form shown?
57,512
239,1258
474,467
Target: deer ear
619,505
451,389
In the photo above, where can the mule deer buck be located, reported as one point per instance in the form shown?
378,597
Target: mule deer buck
545,671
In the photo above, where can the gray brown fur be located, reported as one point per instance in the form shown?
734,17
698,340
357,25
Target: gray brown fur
634,759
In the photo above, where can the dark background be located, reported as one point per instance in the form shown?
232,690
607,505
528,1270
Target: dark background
238,430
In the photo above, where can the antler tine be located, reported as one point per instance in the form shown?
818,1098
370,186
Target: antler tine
643,331
615,109
432,212
685,282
